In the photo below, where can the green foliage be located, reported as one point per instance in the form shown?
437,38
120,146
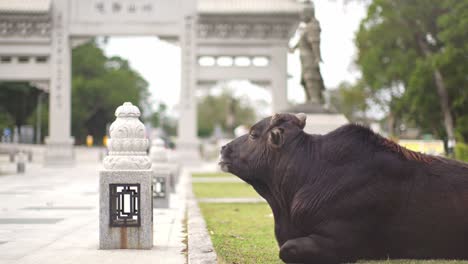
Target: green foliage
351,100
5,120
224,110
17,102
162,120
44,117
100,84
401,43
461,152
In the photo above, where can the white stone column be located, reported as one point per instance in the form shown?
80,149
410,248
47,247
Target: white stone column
187,143
59,142
279,79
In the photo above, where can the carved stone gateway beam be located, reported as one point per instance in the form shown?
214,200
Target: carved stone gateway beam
25,26
259,30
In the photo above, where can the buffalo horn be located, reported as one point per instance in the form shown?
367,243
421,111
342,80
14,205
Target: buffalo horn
302,117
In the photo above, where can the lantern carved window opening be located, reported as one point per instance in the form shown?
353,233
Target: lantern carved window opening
124,206
159,187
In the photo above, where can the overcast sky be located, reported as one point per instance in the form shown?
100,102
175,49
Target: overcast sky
159,62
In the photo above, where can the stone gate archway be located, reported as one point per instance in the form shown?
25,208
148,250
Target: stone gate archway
240,39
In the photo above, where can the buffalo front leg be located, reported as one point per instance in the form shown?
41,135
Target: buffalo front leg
310,249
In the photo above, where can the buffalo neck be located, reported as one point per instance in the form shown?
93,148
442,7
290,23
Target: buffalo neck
286,174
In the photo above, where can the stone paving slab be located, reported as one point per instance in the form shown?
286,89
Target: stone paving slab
71,195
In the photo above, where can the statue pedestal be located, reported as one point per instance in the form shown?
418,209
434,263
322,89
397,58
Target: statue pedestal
320,120
324,123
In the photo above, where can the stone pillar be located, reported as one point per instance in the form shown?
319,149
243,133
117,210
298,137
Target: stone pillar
187,142
125,185
279,81
59,142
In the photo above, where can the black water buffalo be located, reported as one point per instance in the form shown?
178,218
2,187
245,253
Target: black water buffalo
352,194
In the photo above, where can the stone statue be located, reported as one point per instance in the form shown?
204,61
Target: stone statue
309,48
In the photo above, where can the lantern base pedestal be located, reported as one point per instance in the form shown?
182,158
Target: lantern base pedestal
162,176
112,236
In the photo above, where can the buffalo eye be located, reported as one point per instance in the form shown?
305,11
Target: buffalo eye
253,135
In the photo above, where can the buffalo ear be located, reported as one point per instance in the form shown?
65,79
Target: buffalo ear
276,137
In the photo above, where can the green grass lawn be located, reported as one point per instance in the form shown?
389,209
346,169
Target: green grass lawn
221,190
241,233
212,174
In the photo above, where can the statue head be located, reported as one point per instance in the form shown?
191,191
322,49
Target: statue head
308,12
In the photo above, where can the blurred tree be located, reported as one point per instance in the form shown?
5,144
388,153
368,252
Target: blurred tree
18,101
44,118
5,120
225,110
415,53
351,100
161,119
100,84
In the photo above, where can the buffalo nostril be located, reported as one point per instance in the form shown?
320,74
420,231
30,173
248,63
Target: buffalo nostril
225,150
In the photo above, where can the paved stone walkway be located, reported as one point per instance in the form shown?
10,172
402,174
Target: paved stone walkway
51,216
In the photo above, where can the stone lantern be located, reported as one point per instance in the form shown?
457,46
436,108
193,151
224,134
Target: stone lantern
125,185
158,151
163,177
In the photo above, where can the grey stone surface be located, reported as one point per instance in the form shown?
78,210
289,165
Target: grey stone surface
58,208
20,167
126,237
200,247
175,167
34,221
164,175
75,240
312,108
15,193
